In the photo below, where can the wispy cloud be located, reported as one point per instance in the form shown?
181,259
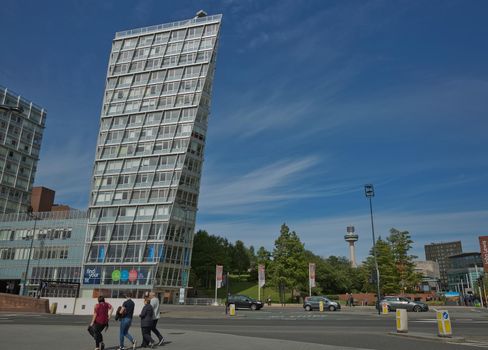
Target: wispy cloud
264,185
325,235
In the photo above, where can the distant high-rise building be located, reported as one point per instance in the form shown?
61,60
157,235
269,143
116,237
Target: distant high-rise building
21,128
440,252
149,158
351,237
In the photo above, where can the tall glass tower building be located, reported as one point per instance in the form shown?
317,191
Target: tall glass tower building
149,158
21,128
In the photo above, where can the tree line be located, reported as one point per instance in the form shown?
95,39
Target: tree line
287,265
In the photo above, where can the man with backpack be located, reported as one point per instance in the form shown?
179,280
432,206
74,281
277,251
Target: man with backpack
125,315
99,321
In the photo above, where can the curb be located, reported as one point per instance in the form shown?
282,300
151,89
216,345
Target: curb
428,336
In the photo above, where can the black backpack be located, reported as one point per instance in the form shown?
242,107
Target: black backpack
120,313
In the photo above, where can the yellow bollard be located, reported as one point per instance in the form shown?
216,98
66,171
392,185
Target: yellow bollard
384,308
232,309
321,306
444,324
401,321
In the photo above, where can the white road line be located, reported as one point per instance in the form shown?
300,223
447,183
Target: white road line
473,344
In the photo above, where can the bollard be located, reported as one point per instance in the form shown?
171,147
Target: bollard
54,307
384,307
402,321
232,309
321,306
444,324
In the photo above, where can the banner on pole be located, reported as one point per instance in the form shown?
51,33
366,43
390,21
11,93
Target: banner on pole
484,251
311,274
218,275
261,275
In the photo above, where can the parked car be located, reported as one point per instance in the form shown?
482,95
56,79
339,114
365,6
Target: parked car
313,303
244,302
397,302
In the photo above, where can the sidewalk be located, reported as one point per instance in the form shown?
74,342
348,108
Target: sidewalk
76,337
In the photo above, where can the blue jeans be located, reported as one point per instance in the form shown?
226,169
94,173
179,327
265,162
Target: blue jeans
124,330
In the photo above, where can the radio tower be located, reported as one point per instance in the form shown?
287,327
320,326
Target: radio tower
351,237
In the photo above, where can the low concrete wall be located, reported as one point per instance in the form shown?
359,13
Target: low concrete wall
17,303
85,306
370,298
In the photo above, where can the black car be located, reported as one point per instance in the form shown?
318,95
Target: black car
244,302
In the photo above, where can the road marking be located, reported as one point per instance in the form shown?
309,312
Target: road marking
472,343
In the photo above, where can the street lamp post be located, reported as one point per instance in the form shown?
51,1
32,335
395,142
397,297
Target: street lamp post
369,192
29,212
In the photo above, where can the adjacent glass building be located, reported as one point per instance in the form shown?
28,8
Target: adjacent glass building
149,158
21,128
48,246
464,269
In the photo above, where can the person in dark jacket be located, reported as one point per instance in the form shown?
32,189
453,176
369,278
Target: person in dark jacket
147,323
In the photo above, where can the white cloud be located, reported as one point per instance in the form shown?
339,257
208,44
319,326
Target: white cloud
325,235
260,186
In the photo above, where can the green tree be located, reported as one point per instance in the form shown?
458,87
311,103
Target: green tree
386,264
401,243
289,266
262,256
208,251
240,258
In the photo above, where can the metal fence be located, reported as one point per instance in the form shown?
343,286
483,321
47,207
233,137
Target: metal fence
203,301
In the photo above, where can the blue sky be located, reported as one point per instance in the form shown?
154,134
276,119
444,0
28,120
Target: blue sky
312,99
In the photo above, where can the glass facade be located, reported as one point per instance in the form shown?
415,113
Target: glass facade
440,252
464,269
21,129
56,254
149,156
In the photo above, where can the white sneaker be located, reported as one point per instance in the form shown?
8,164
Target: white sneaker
134,343
161,341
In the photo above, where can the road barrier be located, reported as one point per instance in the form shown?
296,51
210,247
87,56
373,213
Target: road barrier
384,308
401,321
232,309
54,308
321,306
444,324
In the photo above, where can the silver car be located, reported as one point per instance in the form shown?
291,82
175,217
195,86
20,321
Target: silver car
396,302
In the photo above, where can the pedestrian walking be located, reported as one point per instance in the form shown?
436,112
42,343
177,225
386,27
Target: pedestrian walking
351,300
99,322
155,305
146,316
125,316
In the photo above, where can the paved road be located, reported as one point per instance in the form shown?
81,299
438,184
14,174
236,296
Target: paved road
271,328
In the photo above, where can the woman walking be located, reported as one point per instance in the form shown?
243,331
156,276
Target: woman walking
147,323
99,321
